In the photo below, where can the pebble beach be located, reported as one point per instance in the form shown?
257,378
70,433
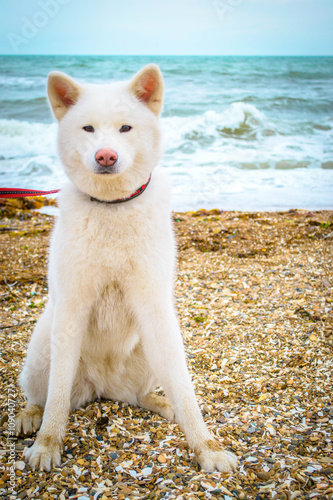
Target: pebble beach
253,293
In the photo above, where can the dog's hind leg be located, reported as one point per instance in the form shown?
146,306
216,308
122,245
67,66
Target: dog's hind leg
158,404
35,375
28,420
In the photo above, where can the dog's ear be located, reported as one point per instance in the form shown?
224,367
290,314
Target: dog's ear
147,86
63,92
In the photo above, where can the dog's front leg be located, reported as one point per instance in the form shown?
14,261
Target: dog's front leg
68,326
164,350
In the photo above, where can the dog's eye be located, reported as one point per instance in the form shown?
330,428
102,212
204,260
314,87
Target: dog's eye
125,128
88,128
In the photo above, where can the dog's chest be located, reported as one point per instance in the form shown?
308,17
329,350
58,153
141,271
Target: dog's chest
111,331
114,241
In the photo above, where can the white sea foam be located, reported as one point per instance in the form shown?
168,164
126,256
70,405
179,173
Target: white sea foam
28,155
22,139
234,189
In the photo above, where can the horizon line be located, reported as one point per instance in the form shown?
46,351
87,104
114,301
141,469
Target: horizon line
169,55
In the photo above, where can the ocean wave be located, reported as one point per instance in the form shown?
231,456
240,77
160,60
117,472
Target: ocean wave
21,105
33,110
313,106
22,81
38,166
283,99
307,75
239,121
24,139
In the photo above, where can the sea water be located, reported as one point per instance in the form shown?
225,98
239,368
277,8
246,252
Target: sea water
246,133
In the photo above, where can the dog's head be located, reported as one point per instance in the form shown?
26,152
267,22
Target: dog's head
108,133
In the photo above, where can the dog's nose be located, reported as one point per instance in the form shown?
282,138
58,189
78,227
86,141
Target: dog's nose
106,157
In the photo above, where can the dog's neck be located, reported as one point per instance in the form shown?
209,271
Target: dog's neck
136,193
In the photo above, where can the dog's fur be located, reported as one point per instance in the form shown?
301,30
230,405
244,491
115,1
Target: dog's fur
109,329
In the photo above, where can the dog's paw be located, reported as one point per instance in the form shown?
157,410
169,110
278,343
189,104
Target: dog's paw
158,404
212,457
164,408
168,413
28,420
44,454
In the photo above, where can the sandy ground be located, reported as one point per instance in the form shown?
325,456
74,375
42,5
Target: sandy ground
253,293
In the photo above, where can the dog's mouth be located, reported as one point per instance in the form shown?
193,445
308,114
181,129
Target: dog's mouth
105,172
99,170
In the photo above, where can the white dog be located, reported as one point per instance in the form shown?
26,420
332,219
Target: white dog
109,329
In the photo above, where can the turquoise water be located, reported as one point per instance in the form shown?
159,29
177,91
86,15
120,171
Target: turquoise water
249,133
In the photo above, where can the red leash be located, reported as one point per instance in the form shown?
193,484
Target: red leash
20,193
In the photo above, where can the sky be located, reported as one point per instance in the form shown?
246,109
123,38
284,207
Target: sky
172,27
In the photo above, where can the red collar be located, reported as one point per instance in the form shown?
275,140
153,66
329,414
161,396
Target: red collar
136,193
